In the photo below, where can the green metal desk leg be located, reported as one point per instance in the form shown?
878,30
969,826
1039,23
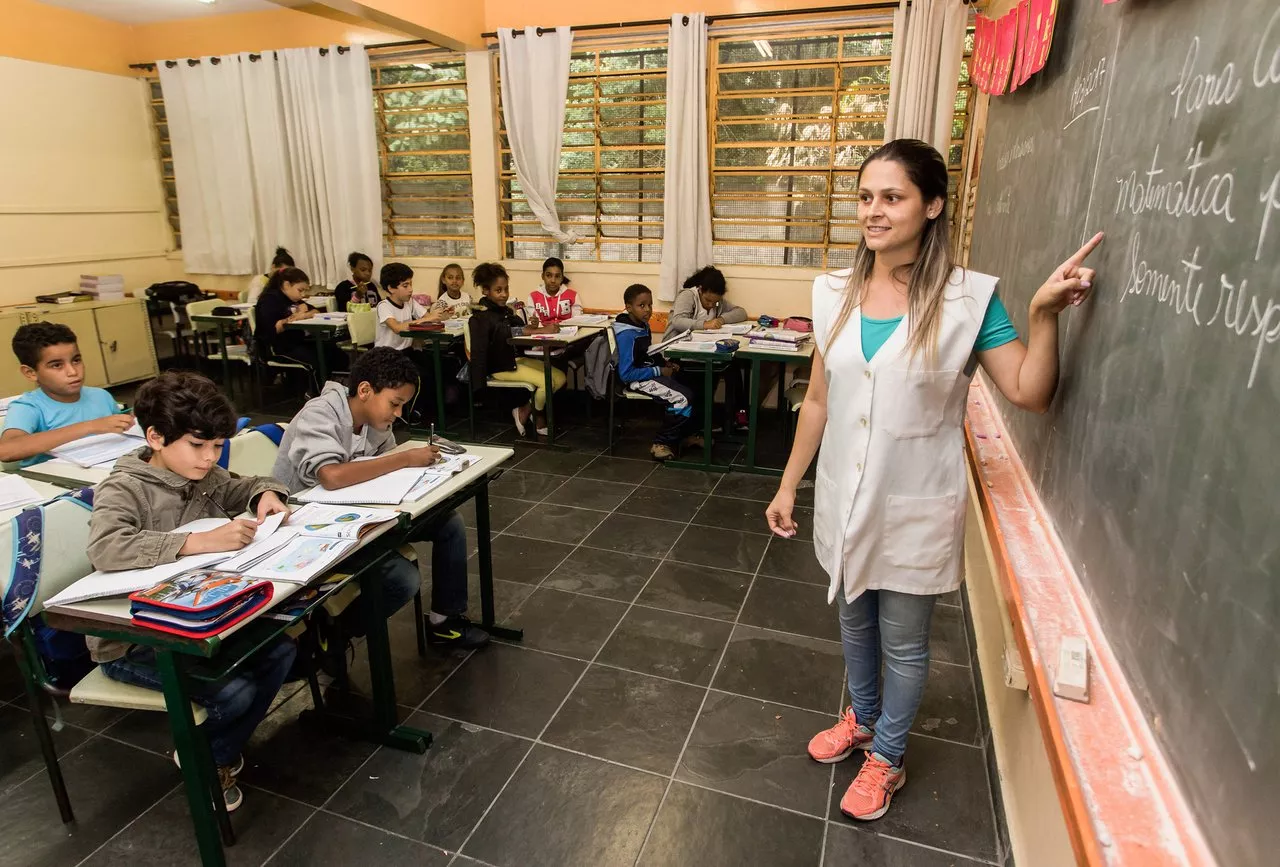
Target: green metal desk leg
484,555
23,653
226,362
439,372
708,401
198,774
753,386
322,367
386,728
551,395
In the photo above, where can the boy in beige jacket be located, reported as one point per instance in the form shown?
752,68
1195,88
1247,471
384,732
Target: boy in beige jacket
172,481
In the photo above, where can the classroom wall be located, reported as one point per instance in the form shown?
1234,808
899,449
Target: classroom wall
51,34
80,187
554,13
1037,828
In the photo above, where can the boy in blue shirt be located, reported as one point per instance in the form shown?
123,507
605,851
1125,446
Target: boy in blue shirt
60,409
639,373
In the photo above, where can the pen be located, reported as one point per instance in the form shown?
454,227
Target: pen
229,516
431,437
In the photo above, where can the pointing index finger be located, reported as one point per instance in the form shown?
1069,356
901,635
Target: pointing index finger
1083,253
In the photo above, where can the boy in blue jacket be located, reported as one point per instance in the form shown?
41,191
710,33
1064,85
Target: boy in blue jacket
639,373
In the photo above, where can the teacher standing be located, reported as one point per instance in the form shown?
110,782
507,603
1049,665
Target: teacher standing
898,337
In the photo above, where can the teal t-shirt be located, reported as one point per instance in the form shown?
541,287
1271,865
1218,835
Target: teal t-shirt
996,330
36,412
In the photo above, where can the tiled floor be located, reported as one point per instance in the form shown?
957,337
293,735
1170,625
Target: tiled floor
656,714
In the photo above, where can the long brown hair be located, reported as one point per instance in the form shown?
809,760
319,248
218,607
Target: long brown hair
927,276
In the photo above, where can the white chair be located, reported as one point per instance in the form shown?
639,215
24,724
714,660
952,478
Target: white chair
68,522
252,453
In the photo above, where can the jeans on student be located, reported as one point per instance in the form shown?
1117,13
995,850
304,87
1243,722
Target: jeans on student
401,579
235,704
448,538
896,624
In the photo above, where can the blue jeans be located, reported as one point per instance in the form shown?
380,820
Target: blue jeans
448,540
898,624
235,704
400,579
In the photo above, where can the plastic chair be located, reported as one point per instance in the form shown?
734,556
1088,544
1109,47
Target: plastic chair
616,385
253,452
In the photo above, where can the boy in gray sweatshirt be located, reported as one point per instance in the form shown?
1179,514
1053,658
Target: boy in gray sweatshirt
320,447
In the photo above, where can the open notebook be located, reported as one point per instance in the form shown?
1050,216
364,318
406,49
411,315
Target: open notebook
393,488
100,448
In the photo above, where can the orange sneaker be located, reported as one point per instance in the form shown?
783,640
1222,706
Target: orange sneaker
838,742
869,795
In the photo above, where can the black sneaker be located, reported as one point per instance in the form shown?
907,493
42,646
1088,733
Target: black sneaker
456,631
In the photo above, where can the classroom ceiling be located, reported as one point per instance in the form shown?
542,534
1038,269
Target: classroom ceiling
151,11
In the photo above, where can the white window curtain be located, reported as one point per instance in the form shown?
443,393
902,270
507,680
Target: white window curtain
209,134
928,46
686,230
535,84
275,153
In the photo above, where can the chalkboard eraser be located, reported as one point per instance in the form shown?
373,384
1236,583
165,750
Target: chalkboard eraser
1072,678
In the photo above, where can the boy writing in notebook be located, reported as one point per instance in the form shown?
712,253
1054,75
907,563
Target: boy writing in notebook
60,409
344,423
171,482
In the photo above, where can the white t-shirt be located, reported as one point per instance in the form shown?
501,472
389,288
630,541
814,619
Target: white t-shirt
460,306
388,310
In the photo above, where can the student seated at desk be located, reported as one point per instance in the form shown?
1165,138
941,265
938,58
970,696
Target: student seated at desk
258,284
639,372
360,288
396,315
555,301
173,481
492,354
450,299
344,423
60,409
701,306
280,305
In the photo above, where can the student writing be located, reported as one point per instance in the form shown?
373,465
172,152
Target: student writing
61,408
701,306
890,377
280,305
321,445
174,480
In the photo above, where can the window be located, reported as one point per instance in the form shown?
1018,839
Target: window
161,124
611,166
792,119
424,145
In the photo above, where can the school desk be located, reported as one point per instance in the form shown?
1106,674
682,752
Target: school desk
182,659
714,362
548,343
66,474
438,339
222,323
44,489
321,330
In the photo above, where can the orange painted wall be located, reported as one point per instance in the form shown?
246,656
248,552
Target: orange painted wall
553,13
246,31
51,34
461,21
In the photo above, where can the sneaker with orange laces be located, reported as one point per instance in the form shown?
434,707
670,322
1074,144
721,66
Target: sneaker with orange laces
838,742
869,795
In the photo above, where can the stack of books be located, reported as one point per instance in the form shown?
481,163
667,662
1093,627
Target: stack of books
199,602
778,339
104,287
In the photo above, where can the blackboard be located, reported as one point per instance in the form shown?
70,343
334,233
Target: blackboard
1158,122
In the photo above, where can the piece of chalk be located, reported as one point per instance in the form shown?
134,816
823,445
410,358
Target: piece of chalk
1071,681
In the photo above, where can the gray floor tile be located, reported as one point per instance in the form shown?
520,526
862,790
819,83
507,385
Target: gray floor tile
696,590
788,669
665,644
332,841
567,623
608,574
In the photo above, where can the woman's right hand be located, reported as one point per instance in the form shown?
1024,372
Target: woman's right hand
779,513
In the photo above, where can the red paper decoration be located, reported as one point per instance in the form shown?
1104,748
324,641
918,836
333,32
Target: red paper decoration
1008,51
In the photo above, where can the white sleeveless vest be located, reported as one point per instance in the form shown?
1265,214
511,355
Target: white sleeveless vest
889,500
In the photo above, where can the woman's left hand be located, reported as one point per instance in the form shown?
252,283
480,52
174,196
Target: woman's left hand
1069,284
269,504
